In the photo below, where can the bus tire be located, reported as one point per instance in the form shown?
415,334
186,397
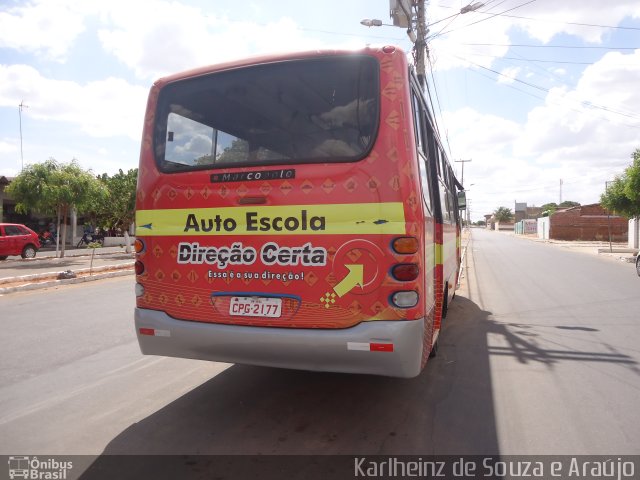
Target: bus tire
445,303
434,350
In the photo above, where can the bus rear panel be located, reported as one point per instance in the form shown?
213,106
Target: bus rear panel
280,216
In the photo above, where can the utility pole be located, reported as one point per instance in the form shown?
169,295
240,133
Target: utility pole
20,107
560,192
462,162
420,46
402,14
606,190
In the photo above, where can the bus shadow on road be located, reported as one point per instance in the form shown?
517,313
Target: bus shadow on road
448,409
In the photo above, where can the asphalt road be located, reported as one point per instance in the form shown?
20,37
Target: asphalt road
563,338
540,354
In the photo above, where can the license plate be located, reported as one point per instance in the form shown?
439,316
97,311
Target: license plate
255,307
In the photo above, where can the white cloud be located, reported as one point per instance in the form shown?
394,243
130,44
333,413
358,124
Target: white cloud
159,37
569,118
8,147
509,75
110,107
553,18
565,138
480,37
45,27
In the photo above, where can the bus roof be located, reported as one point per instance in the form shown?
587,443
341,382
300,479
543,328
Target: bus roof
268,58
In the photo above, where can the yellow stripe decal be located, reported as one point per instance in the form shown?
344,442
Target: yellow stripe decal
438,254
335,219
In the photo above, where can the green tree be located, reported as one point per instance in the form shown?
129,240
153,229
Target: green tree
623,194
117,210
503,214
54,188
549,209
236,153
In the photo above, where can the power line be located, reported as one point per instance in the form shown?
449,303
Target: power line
435,89
483,20
543,89
566,23
548,20
546,46
522,59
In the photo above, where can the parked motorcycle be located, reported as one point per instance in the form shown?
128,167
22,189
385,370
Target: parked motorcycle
88,238
47,239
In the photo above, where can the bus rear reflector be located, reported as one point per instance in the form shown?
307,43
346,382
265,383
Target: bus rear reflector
370,347
154,332
381,347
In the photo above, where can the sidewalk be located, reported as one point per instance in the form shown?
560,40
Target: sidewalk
617,251
17,274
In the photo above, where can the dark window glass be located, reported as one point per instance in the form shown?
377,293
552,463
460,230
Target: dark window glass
417,122
13,230
317,110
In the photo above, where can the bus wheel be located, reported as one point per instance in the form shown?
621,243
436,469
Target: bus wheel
434,350
445,303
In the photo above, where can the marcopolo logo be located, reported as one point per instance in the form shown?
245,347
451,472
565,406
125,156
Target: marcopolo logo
38,469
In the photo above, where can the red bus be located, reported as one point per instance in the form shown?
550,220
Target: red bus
295,211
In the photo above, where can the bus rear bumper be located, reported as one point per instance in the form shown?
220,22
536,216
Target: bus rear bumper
389,348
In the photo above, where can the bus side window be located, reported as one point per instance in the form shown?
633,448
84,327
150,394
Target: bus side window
421,143
417,122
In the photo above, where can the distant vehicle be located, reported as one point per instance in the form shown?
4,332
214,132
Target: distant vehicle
88,238
17,239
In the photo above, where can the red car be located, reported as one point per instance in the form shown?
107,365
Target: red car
16,239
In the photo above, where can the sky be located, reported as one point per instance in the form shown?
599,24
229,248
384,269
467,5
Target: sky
542,96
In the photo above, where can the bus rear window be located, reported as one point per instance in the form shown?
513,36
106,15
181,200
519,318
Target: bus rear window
320,110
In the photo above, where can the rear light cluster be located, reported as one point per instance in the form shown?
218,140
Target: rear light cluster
138,266
405,272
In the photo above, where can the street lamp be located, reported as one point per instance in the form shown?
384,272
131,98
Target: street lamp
416,21
374,22
470,8
20,108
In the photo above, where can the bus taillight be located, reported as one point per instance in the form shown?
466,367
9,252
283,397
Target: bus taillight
406,299
405,245
405,272
138,245
139,267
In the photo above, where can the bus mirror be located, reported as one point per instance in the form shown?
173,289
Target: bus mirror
462,200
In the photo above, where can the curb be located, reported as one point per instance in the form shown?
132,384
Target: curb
69,255
108,271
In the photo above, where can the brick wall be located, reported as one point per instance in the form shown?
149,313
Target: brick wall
588,222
